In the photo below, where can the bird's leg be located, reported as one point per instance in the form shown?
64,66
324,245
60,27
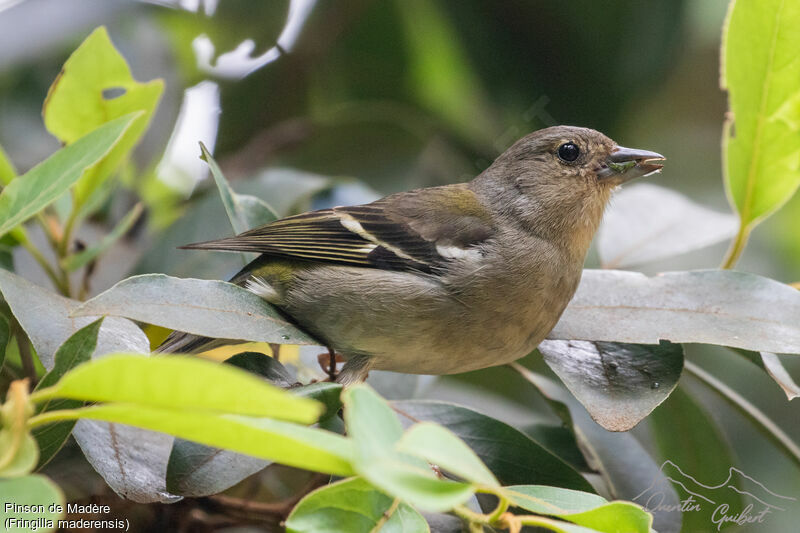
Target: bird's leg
327,361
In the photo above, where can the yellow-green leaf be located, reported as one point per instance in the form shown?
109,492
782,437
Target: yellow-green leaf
179,382
44,183
761,140
95,86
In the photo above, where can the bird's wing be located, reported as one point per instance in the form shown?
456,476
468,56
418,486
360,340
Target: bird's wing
415,230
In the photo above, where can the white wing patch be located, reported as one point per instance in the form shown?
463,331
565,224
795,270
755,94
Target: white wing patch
456,252
259,286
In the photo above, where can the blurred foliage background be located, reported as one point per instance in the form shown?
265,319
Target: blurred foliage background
309,103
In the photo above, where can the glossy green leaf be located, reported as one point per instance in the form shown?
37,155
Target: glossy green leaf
34,490
214,309
47,181
761,141
76,261
588,510
283,442
686,435
353,505
619,384
375,432
496,443
626,468
179,382
76,350
83,97
441,447
197,470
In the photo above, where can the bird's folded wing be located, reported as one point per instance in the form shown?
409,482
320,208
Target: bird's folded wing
415,230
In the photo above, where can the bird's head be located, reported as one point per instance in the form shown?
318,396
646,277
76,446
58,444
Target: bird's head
558,180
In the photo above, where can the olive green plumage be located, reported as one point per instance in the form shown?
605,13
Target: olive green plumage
443,279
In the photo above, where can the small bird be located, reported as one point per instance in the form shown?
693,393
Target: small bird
445,279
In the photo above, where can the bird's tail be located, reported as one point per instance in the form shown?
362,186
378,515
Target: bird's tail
180,342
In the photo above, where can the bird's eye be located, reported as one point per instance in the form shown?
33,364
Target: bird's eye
568,152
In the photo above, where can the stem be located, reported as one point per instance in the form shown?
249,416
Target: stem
386,516
502,507
37,255
774,433
53,416
737,247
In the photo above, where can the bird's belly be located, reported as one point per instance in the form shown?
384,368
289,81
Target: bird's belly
421,328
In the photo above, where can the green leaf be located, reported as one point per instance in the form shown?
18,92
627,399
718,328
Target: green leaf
283,442
588,510
441,447
214,309
761,139
355,506
375,432
35,491
5,336
240,214
79,101
24,460
75,261
627,470
496,443
47,181
197,470
619,384
7,170
75,350
177,382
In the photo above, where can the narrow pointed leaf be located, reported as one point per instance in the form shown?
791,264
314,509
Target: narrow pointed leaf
47,181
283,442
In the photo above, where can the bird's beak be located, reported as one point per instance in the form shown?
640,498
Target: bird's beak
624,164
